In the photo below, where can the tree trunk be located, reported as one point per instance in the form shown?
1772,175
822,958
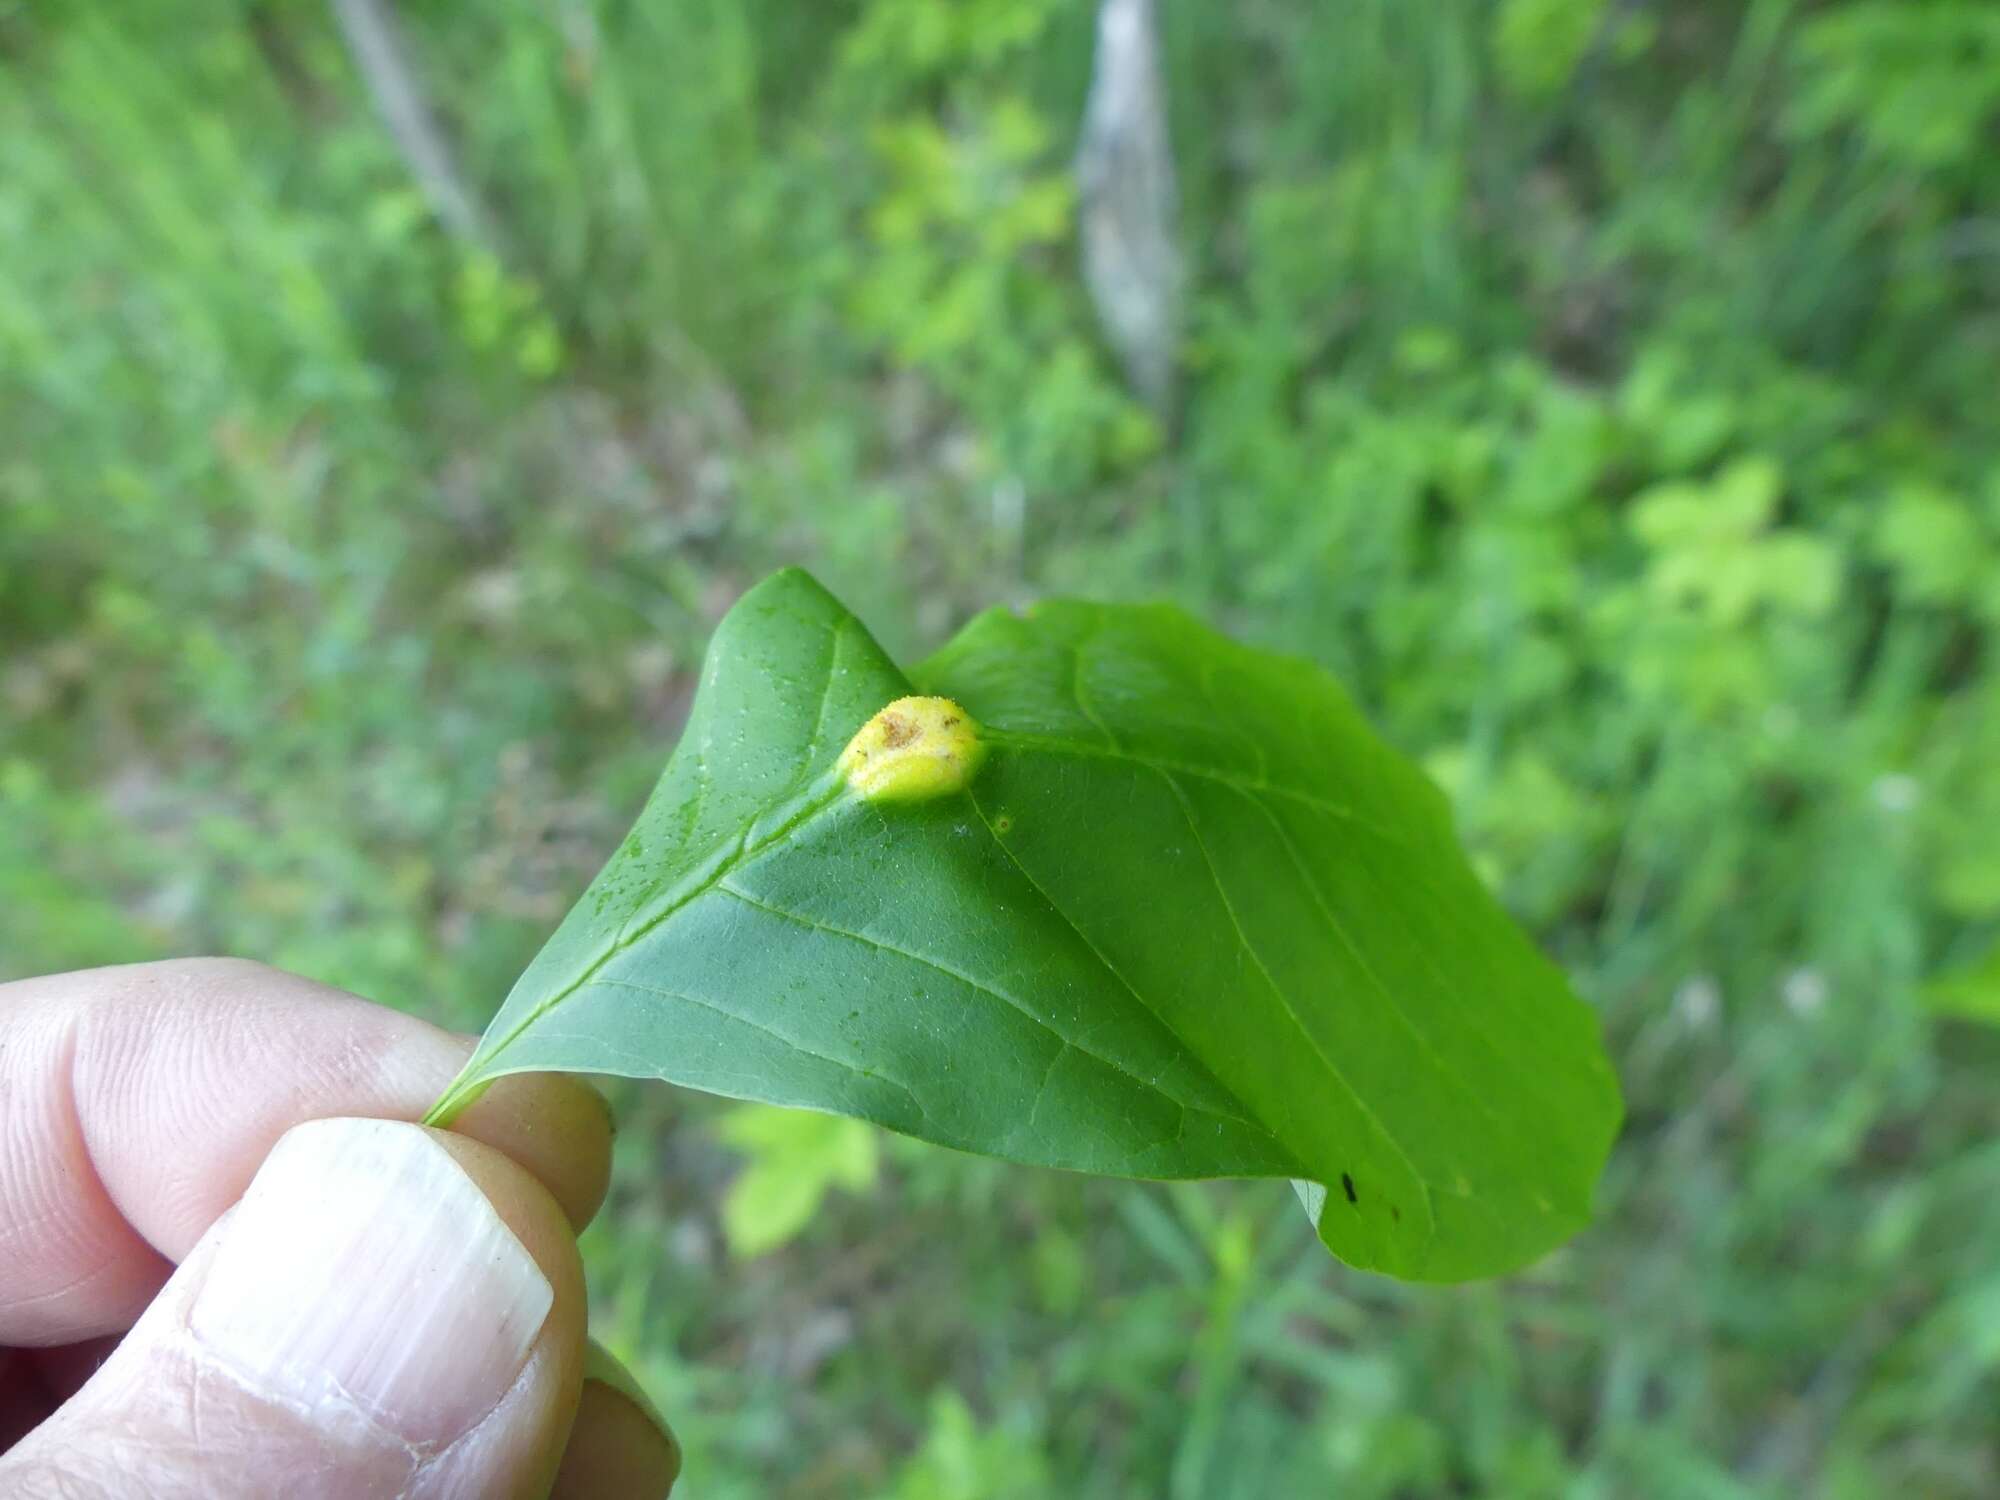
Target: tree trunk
375,41
1128,202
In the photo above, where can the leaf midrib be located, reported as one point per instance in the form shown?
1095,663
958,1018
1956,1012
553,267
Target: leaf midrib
702,878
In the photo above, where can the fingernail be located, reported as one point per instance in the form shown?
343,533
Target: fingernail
364,1269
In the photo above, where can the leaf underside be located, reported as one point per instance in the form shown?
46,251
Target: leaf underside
1192,919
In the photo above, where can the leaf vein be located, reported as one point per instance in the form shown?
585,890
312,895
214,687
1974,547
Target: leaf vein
1130,989
1396,1006
1083,703
1284,1000
838,634
767,1029
982,987
1048,744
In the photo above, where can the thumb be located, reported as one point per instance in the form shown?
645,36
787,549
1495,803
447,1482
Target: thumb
388,1311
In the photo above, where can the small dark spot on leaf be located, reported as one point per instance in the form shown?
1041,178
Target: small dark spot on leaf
897,730
1347,1185
1002,823
1395,1213
948,721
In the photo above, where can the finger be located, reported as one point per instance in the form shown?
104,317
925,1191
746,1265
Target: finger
390,1311
23,1402
136,1103
620,1445
554,1124
61,1369
34,1382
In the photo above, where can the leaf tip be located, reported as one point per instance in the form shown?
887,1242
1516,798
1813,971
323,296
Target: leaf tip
912,751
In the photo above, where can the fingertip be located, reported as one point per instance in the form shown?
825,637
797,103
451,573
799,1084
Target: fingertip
619,1444
555,1125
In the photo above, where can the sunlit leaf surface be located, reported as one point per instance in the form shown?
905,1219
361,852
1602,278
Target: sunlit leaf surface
1189,918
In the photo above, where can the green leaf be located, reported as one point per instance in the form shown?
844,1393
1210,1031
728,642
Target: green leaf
958,1461
1538,43
1971,993
796,1158
1935,543
1190,918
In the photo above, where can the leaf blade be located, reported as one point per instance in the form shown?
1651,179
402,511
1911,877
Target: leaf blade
1263,729
1191,919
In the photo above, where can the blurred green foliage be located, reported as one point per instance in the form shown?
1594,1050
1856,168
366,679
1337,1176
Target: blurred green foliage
1605,390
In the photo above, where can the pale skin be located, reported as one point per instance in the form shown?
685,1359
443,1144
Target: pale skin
163,1334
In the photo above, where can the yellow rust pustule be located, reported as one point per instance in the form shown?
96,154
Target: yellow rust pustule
913,750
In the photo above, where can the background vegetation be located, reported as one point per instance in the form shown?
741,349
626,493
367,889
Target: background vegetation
1605,390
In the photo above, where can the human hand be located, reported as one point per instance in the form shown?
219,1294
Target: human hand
384,1310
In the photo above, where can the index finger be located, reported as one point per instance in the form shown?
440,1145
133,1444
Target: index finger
136,1103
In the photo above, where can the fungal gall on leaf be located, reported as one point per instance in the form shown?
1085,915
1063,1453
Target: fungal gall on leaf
913,750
